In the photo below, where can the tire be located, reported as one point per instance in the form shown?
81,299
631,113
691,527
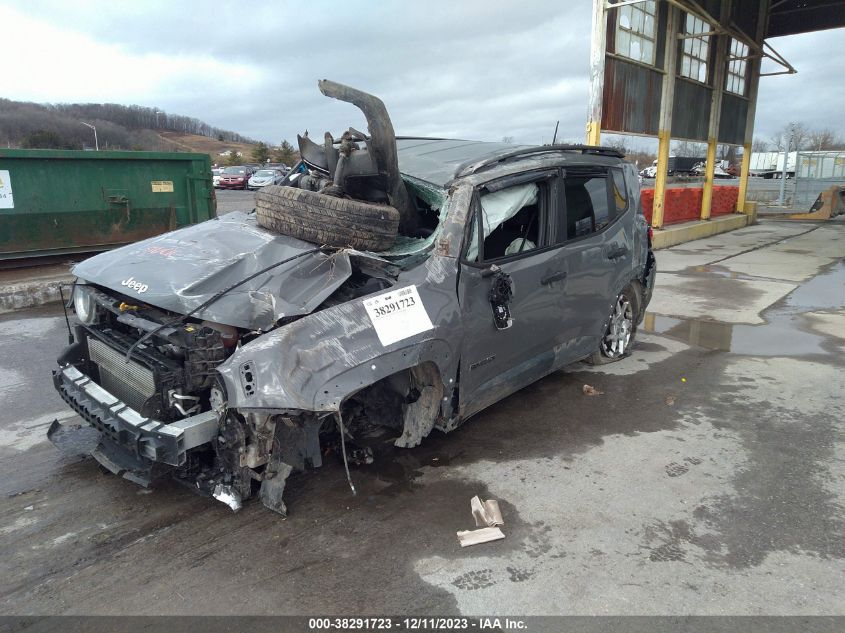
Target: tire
321,219
625,309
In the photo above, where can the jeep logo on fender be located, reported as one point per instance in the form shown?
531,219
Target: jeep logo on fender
137,286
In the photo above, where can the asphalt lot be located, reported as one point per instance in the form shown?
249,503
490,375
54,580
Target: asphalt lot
706,479
229,200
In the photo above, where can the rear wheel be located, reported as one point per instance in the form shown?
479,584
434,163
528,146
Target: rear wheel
621,328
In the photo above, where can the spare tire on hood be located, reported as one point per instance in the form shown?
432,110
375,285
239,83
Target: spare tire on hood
322,219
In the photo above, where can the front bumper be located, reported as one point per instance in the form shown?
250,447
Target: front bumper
143,438
232,185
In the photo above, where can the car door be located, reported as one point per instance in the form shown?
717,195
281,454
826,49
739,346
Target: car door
597,244
508,247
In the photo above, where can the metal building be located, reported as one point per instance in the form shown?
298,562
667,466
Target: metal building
689,70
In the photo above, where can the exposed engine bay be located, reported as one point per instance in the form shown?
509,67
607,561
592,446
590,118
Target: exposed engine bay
163,365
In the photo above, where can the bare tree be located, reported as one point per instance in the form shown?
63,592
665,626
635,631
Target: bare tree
823,139
760,145
689,148
793,134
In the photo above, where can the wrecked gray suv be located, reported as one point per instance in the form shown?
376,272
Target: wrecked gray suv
228,354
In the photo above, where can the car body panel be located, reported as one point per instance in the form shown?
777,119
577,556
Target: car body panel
180,270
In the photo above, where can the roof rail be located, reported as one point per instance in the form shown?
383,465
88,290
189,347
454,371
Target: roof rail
473,167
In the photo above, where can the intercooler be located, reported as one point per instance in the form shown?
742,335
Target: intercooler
130,382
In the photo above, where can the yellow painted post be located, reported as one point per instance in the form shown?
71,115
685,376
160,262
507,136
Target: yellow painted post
593,133
743,178
707,194
721,45
664,139
742,205
667,103
598,45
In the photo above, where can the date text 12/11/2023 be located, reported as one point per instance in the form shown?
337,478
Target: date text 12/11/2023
422,623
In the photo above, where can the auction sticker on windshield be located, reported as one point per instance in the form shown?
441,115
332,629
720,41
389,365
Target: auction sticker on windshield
398,314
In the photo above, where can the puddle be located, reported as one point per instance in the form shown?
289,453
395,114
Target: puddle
822,292
784,333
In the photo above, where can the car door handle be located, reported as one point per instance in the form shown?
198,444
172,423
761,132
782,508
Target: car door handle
556,276
615,252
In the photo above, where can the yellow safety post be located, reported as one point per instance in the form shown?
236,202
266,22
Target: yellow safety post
593,133
707,194
743,178
664,139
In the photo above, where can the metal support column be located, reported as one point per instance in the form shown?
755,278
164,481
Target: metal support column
597,50
753,84
722,46
667,100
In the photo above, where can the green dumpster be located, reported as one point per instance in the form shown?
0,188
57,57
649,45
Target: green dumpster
54,202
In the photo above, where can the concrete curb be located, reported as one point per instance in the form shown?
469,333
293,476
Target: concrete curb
696,230
32,293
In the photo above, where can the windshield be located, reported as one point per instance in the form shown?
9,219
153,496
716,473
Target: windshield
237,171
265,173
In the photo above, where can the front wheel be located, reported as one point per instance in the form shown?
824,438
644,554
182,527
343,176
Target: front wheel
620,330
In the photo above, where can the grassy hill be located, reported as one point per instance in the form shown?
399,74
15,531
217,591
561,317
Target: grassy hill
180,142
59,126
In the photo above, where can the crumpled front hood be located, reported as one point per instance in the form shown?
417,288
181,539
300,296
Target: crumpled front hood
180,270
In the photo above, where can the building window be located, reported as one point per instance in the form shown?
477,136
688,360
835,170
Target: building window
635,31
737,65
696,49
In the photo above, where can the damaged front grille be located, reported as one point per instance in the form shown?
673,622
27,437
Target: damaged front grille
129,381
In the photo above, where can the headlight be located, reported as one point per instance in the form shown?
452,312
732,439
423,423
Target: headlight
84,304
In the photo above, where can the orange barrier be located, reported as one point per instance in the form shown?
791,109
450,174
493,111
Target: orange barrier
683,204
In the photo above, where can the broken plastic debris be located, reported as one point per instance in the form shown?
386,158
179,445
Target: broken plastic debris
228,495
670,400
589,390
486,513
475,537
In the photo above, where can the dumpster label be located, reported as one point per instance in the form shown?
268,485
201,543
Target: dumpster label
162,186
6,199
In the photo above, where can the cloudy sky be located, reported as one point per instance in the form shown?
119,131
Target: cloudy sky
468,69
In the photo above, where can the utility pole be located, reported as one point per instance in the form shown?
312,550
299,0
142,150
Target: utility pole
782,198
96,144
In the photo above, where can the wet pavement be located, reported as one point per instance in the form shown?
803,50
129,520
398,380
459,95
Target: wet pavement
706,479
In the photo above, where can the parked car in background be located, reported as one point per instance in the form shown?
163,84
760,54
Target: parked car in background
216,172
235,177
264,177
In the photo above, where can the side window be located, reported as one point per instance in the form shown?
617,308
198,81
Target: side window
594,198
618,191
586,204
512,219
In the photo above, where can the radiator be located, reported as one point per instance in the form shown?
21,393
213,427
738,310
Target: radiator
130,382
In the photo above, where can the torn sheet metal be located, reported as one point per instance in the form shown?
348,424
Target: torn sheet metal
178,271
486,513
476,537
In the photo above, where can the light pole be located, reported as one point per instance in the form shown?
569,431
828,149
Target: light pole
96,144
781,199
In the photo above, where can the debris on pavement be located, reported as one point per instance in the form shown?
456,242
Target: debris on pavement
670,400
589,390
486,513
484,535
